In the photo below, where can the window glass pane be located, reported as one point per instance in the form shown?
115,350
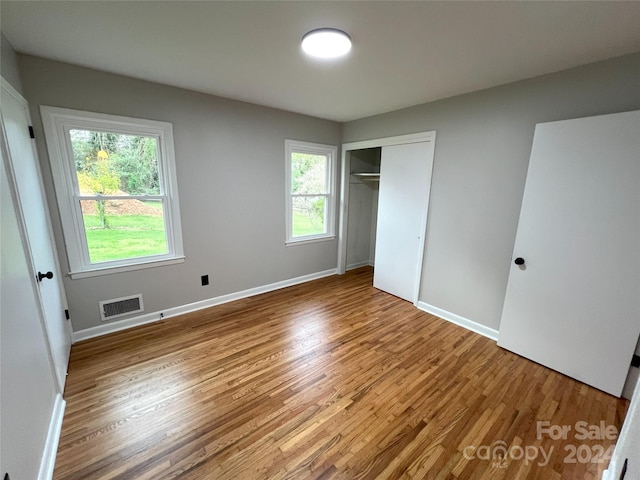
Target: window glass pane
119,229
308,173
308,216
115,164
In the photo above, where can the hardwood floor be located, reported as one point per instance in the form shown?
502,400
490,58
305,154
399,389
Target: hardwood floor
329,379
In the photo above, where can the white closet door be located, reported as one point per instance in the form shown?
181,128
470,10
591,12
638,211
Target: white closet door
574,305
405,180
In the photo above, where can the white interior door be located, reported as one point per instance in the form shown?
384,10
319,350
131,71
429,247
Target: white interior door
405,181
26,172
574,305
28,386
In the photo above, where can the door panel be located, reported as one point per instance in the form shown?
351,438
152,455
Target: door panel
28,384
405,180
574,305
26,172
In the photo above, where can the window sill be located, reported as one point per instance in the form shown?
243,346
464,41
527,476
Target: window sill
95,272
304,241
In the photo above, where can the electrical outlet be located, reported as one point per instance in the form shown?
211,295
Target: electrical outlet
205,280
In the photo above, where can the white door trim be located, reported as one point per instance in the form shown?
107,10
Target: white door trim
345,173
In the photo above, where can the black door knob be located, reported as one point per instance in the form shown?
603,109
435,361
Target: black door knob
42,276
519,261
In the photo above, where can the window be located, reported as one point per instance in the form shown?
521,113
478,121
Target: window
116,188
310,181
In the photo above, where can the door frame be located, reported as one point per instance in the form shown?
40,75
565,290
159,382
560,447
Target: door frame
345,173
4,84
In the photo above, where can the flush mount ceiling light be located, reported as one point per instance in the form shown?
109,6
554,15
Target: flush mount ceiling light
326,43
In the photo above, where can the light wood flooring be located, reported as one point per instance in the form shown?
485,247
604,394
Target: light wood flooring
329,379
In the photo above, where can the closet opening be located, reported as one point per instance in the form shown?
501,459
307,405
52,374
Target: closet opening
364,182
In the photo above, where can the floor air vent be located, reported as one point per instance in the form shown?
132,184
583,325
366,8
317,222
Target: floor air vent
119,307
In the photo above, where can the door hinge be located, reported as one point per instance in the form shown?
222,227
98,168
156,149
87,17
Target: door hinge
31,134
66,314
635,361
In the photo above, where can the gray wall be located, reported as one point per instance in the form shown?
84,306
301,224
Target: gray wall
482,152
230,164
230,174
8,64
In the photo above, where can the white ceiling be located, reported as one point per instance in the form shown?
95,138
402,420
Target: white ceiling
404,53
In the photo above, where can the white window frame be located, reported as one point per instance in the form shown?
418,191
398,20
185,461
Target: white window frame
57,123
330,151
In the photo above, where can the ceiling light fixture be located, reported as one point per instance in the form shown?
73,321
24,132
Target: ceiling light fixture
326,43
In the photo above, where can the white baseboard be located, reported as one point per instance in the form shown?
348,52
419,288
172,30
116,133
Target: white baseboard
192,307
353,266
458,320
53,437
